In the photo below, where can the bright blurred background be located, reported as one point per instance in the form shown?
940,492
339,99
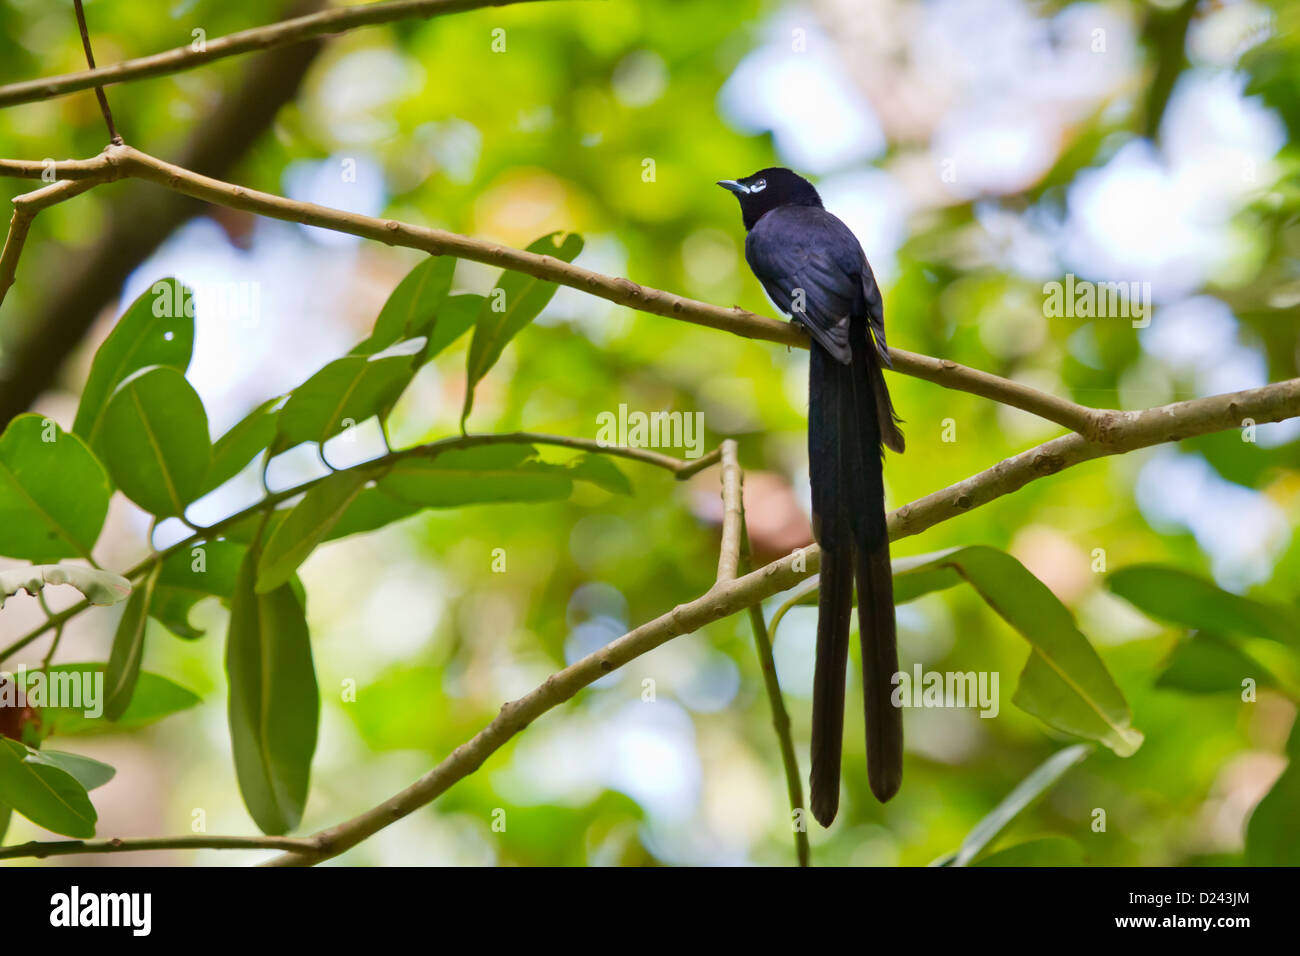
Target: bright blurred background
978,148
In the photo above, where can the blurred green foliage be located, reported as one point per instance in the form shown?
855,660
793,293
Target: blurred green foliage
418,640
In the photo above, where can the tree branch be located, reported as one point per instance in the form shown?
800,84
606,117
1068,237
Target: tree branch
763,645
1127,431
135,163
41,850
137,220
733,513
676,466
267,37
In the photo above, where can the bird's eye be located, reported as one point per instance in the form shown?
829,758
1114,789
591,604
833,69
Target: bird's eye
758,187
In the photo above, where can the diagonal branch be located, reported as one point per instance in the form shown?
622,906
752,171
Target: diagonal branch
245,41
132,162
1127,432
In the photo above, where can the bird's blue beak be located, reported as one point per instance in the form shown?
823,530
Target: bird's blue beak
732,186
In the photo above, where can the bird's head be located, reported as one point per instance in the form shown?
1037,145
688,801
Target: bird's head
768,189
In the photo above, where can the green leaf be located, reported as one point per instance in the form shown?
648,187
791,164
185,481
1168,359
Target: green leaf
601,472
307,525
1045,851
156,329
53,493
1273,831
1064,683
1179,597
87,772
345,393
6,813
47,795
457,315
188,576
489,473
1210,664
414,306
237,447
128,648
371,509
919,575
274,700
155,442
99,587
155,697
516,301
1025,793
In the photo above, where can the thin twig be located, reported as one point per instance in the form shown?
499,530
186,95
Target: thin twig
432,449
266,37
41,850
113,136
734,499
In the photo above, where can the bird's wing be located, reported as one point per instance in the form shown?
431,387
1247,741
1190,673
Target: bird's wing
798,255
875,313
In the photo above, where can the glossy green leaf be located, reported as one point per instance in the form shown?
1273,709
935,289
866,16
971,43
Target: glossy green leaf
232,452
205,570
274,701
1273,831
454,319
1209,664
128,649
517,300
307,525
371,509
1064,683
489,473
601,472
47,795
1171,594
99,587
155,697
345,393
86,771
414,306
156,329
53,492
154,440
1025,793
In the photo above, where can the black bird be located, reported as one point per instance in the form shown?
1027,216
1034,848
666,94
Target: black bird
813,269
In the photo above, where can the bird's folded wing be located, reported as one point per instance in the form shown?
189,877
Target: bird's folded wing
806,284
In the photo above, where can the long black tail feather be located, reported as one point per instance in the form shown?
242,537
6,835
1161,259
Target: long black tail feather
844,439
